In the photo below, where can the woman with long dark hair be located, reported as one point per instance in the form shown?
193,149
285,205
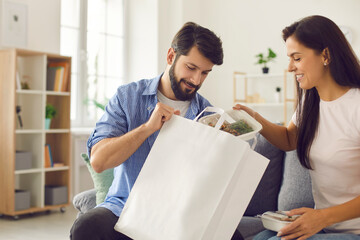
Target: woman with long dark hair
325,130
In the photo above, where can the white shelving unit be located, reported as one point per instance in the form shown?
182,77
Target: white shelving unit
258,92
31,66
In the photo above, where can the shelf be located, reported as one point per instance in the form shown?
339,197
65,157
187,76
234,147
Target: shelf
32,170
31,67
281,104
265,104
269,75
54,93
22,91
57,131
28,131
53,169
49,131
261,91
30,110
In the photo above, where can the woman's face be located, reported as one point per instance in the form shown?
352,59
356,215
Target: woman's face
307,65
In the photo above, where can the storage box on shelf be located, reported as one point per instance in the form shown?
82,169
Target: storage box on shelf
23,97
272,95
55,195
23,160
22,199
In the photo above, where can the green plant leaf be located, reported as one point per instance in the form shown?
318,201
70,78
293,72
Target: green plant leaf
97,104
271,54
50,111
264,60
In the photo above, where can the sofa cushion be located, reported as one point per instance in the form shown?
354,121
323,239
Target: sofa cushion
295,191
85,201
102,181
266,195
249,227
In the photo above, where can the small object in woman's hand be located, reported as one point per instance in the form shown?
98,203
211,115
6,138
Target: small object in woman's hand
276,220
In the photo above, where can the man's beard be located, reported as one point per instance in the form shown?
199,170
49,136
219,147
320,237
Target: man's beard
175,86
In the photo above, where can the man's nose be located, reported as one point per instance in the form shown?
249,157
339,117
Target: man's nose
196,78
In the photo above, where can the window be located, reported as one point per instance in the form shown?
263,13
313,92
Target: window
92,33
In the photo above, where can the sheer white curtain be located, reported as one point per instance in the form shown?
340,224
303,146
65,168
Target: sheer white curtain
92,33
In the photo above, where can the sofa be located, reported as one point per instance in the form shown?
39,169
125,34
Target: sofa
285,185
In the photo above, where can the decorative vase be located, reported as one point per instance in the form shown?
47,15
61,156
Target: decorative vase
265,69
277,97
47,123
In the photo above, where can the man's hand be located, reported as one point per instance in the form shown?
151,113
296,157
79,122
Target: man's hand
111,152
309,223
161,114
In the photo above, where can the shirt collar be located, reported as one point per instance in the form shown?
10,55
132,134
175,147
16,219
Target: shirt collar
153,85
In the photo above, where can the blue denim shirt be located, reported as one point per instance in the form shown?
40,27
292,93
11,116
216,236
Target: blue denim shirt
130,107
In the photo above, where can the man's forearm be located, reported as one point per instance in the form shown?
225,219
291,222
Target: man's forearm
111,152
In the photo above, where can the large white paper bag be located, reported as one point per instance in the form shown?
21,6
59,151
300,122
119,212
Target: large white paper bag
195,184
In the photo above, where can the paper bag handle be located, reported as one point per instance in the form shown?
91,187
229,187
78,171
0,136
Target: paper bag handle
223,116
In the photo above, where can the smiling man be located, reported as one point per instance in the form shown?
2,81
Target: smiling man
124,135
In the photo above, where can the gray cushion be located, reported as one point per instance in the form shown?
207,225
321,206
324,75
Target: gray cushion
249,227
266,195
85,201
295,191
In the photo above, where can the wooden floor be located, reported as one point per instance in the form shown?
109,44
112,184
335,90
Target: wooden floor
40,226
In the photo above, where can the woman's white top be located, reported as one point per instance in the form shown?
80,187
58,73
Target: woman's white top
335,156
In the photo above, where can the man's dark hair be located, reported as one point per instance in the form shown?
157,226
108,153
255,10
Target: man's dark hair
192,34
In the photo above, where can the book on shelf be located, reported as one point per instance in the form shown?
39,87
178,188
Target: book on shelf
57,77
59,164
50,78
48,156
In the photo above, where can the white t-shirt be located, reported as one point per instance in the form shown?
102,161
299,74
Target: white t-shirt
183,106
335,156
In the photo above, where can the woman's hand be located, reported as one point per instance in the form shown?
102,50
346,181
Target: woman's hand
309,223
246,109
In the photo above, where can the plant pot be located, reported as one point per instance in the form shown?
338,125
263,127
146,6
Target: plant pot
47,123
265,70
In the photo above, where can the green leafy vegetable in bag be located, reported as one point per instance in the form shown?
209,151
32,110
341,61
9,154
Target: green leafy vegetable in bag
237,128
241,127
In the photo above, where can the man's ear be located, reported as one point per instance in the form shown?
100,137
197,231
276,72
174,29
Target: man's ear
170,57
326,56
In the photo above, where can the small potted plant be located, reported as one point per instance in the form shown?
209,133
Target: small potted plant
264,60
50,113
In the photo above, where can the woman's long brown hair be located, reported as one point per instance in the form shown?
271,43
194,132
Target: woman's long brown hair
319,33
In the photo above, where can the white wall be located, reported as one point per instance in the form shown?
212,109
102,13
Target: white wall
248,27
142,29
43,25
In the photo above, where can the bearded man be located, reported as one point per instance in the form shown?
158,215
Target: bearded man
123,137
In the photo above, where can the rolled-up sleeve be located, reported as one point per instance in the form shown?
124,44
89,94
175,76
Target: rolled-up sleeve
113,123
